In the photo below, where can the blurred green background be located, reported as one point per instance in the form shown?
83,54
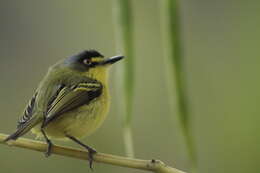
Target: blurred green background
220,40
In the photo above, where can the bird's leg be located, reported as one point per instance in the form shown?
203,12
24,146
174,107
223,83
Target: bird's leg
91,151
48,151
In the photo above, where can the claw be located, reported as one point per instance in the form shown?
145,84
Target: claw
48,151
91,153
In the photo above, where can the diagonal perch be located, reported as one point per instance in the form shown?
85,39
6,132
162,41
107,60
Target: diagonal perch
149,165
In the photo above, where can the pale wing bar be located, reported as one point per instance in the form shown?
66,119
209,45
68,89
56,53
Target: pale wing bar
72,97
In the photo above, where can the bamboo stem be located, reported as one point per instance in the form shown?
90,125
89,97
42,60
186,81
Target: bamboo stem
175,74
149,165
125,79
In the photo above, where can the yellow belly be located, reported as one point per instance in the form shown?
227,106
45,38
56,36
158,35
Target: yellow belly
78,123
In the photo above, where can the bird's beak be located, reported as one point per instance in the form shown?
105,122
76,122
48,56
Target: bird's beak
112,60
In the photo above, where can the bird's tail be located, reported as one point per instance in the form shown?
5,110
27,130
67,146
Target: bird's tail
23,129
14,135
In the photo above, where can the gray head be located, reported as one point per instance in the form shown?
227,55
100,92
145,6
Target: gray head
89,59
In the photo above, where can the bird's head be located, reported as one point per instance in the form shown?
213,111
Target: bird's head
91,63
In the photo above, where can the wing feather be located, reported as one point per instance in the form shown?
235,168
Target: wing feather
27,115
26,122
71,97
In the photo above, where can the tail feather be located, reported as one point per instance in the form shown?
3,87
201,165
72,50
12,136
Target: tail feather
14,136
23,129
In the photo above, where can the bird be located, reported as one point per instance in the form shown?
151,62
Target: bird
71,101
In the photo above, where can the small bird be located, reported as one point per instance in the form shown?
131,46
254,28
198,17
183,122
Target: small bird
70,102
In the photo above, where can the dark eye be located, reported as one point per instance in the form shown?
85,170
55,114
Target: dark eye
87,61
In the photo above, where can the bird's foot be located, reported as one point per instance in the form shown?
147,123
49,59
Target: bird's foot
48,151
91,153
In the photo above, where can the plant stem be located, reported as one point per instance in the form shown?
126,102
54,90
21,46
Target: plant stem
149,165
124,44
175,74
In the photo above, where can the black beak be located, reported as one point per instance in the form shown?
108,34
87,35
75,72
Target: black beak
112,60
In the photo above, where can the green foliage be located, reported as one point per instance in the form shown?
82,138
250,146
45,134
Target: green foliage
175,74
124,33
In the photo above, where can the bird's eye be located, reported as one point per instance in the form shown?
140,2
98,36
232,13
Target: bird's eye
87,61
